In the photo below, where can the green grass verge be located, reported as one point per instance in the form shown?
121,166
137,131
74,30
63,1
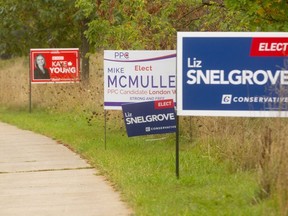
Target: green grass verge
143,169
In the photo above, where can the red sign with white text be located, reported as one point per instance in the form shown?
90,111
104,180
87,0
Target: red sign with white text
164,104
54,65
272,46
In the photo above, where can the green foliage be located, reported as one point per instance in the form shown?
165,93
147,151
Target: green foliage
11,26
131,24
126,24
37,23
261,15
112,24
244,15
87,7
217,18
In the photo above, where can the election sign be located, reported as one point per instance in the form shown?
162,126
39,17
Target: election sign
54,65
232,74
138,76
151,117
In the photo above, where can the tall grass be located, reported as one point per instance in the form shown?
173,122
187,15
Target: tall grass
246,144
14,87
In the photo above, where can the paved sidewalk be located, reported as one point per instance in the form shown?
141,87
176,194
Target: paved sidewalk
40,177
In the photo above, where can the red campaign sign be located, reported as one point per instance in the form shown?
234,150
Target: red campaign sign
54,65
164,104
269,46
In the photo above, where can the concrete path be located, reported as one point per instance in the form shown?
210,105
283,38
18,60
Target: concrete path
40,177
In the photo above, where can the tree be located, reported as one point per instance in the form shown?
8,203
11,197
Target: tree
129,24
240,15
37,23
42,24
12,28
139,24
259,15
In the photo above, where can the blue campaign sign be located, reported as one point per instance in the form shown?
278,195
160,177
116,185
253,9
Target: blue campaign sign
152,117
232,74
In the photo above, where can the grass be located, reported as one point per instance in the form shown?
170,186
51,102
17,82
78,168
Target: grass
142,169
228,166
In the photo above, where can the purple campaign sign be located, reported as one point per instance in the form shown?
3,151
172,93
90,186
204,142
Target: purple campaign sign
152,117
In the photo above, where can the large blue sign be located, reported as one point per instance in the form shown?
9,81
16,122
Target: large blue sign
232,74
152,117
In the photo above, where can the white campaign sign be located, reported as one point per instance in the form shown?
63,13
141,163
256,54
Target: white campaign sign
138,76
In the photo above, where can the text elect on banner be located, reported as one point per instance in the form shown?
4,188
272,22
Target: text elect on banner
232,74
138,76
152,117
54,65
